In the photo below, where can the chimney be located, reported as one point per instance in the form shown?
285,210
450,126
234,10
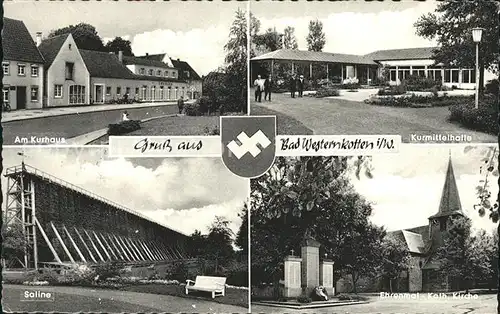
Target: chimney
120,56
38,38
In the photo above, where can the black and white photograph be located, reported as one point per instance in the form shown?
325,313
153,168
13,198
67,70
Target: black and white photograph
76,73
425,70
83,232
413,232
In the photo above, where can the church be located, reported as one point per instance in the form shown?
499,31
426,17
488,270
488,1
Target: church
424,241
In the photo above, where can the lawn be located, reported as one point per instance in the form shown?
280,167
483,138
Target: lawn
184,125
285,124
238,297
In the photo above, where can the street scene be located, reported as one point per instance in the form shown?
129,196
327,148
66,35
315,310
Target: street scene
69,80
355,234
80,235
376,78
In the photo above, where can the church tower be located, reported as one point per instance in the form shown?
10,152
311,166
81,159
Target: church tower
449,208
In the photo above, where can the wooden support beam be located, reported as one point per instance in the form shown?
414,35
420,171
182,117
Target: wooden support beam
145,249
23,219
101,245
158,248
85,245
121,247
94,246
139,249
117,250
155,251
136,249
77,249
33,217
62,243
56,256
109,247
135,257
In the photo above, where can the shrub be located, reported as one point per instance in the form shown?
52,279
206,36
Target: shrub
327,91
419,101
179,272
419,83
344,297
107,270
204,104
482,119
124,127
492,87
304,299
192,109
211,131
351,86
392,90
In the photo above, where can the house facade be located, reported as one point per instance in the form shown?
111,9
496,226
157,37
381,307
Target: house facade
399,64
55,72
23,67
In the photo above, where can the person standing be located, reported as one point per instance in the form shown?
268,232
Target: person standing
125,116
293,85
300,85
180,104
258,88
268,87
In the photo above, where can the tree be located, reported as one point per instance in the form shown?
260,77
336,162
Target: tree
289,39
307,195
395,258
465,257
219,242
271,40
451,25
254,31
13,244
236,60
197,244
490,162
119,44
316,38
85,35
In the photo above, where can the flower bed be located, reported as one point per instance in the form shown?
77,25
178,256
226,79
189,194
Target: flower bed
124,127
418,101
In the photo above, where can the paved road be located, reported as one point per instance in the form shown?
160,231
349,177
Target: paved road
485,304
73,125
335,116
76,299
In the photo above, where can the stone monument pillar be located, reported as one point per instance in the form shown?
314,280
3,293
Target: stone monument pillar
292,277
310,264
326,276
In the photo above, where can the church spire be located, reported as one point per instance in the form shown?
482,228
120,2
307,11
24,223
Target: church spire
450,200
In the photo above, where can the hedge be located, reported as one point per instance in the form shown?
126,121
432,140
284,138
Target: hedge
419,101
124,127
484,119
327,91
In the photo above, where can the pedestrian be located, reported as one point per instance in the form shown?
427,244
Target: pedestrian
293,85
300,85
258,88
180,104
268,87
125,116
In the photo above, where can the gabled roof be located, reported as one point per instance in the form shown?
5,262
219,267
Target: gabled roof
450,199
414,241
402,54
157,57
183,66
50,47
313,56
18,45
106,65
145,61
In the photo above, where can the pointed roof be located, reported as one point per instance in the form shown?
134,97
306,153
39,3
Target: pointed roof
450,200
50,48
18,45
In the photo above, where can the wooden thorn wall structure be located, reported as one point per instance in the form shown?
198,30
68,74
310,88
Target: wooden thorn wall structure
63,224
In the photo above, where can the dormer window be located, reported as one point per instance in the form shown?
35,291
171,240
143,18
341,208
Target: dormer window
166,73
186,74
150,72
158,73
142,71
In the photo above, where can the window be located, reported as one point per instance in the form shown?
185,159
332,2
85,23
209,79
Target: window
447,76
168,92
58,91
153,92
419,71
127,91
442,225
158,73
150,72
454,76
6,95
137,91
69,46
108,90
142,71
143,96
468,76
77,94
186,74
34,70
161,92
166,73
176,92
34,93
21,69
6,68
118,90
69,70
393,75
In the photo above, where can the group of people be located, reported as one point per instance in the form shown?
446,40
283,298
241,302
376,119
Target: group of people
263,86
266,86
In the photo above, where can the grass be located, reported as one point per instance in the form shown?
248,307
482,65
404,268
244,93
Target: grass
185,125
236,297
285,124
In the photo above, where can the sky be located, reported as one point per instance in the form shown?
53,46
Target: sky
185,194
406,187
351,27
192,31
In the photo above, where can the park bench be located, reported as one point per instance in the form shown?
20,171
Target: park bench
215,285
